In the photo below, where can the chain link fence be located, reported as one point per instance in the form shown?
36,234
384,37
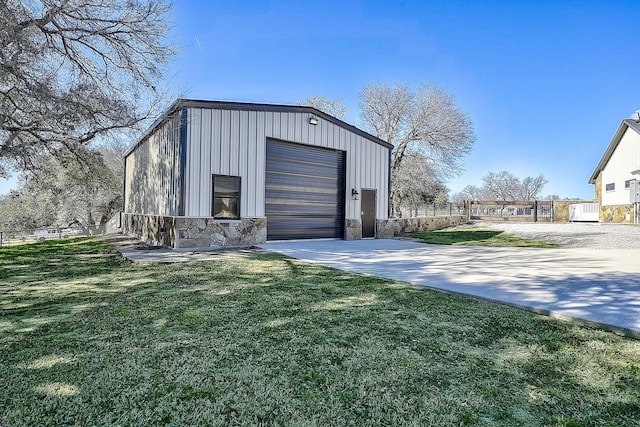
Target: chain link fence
21,237
432,209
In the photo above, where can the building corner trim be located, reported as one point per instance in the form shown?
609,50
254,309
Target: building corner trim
183,161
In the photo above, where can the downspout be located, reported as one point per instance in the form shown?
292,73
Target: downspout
124,193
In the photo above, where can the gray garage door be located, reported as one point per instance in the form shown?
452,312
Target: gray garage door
304,192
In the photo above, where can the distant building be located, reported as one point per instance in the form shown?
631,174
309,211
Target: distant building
212,174
617,175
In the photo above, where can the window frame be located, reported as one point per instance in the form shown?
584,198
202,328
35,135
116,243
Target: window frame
610,187
227,196
627,184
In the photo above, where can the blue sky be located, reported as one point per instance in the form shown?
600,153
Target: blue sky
545,83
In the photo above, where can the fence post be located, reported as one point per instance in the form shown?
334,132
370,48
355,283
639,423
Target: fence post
535,211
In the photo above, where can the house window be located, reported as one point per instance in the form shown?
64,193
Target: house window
627,184
226,197
611,187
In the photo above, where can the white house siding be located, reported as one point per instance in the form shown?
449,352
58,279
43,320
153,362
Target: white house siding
624,160
152,172
233,142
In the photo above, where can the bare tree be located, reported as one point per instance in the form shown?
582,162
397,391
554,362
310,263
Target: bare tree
530,187
74,70
470,192
501,186
416,183
334,107
504,186
425,121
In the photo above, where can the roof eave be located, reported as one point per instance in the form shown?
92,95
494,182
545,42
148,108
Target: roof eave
624,125
162,117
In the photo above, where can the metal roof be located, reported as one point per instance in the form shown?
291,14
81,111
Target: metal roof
248,106
624,125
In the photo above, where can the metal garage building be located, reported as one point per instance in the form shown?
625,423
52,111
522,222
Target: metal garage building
212,173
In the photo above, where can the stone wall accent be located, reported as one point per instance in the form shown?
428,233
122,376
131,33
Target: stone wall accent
561,210
395,227
151,229
598,188
617,213
213,233
191,233
353,229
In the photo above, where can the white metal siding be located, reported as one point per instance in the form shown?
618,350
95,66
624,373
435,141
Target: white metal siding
624,160
153,171
233,142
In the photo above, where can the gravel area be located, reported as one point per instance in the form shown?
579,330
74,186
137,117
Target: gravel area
574,234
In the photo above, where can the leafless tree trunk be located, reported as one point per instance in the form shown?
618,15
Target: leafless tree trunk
415,183
74,70
425,121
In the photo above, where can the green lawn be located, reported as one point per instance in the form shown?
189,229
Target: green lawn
88,339
470,235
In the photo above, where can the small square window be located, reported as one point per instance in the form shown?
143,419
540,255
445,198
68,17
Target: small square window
225,202
611,186
627,184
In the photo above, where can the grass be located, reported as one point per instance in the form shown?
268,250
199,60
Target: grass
469,235
88,339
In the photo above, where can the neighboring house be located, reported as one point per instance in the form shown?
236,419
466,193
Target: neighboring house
617,174
212,174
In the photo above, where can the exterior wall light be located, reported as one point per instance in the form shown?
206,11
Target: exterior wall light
354,194
313,121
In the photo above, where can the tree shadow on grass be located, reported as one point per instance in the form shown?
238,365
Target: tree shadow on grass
279,341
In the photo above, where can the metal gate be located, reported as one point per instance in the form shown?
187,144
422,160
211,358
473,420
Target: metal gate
304,193
515,211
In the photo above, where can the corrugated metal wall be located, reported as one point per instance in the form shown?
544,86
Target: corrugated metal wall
152,172
232,142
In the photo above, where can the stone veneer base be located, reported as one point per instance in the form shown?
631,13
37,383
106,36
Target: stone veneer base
192,233
396,227
201,233
353,229
623,214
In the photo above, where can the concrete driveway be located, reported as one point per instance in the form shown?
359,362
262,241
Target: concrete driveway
601,286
